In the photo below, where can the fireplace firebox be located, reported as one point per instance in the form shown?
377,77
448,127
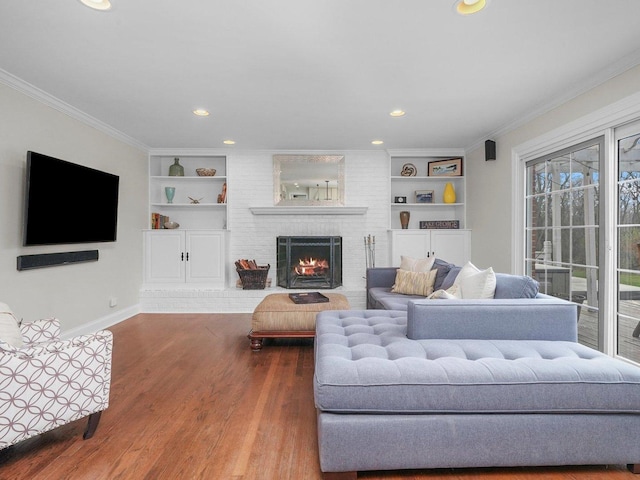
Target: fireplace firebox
309,262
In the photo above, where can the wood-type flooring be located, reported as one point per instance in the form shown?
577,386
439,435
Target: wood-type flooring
190,400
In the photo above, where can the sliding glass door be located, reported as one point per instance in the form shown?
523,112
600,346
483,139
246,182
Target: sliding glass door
627,313
582,232
563,230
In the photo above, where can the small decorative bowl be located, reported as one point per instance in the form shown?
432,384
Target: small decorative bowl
171,225
206,172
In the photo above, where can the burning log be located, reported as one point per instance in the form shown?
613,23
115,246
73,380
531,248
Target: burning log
311,266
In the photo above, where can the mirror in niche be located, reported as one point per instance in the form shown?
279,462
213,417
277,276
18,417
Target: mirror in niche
308,180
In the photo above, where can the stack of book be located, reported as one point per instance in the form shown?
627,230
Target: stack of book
158,220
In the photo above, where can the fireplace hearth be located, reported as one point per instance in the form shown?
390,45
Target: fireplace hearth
309,262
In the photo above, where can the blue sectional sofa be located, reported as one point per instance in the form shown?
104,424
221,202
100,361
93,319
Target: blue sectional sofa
381,279
469,383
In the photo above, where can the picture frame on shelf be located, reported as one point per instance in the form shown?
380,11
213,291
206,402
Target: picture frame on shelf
451,167
424,196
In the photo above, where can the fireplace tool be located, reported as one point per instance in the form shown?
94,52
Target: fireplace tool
370,251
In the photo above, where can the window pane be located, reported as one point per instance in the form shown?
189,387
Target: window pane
629,158
584,242
537,179
629,248
628,206
536,207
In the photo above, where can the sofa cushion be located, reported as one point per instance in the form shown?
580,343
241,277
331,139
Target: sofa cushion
473,283
414,283
366,364
515,286
450,278
416,264
481,284
382,298
443,269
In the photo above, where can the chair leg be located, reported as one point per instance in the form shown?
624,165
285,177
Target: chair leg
92,424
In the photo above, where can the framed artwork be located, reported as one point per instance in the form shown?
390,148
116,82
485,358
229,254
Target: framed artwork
451,167
424,196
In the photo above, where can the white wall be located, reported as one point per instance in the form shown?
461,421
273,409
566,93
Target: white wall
77,294
489,184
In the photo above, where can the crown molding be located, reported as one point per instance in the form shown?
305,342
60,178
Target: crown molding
57,104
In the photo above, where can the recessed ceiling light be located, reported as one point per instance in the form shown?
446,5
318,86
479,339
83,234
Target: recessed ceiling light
97,4
229,142
377,142
201,112
468,7
398,113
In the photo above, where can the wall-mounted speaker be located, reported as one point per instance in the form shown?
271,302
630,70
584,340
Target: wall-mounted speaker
42,260
489,150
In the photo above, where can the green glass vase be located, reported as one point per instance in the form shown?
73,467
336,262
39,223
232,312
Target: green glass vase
176,170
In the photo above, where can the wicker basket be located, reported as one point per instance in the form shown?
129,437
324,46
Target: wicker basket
254,279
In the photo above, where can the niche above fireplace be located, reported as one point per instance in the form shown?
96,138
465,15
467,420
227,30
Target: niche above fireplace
309,262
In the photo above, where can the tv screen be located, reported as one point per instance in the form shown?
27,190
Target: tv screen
68,203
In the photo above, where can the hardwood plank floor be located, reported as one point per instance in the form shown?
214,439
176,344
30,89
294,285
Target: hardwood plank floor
190,400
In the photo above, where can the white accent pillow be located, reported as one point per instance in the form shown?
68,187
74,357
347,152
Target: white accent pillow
9,327
417,264
442,295
473,283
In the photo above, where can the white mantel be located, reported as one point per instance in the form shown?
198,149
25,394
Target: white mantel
308,210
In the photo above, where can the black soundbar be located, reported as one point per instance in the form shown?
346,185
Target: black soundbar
42,260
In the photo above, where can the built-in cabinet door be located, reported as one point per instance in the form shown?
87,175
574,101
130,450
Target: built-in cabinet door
410,243
185,256
205,262
164,256
453,246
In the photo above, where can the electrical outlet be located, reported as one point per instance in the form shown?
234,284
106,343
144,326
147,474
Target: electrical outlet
113,301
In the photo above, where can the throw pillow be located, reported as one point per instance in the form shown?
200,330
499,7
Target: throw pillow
442,295
414,283
450,278
9,327
443,271
475,283
416,264
515,286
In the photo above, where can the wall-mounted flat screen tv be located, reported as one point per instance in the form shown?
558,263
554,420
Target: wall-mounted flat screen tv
68,203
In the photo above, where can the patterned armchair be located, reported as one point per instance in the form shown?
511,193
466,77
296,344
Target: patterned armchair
48,382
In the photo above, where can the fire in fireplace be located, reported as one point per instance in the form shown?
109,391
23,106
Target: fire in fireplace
309,262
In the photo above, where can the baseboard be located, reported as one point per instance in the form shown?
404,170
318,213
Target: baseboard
101,323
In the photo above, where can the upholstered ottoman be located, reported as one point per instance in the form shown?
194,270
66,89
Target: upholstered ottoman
387,402
277,316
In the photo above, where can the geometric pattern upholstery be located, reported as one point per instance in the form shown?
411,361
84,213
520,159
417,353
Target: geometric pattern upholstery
49,382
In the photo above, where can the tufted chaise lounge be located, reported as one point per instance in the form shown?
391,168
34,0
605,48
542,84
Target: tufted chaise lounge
426,389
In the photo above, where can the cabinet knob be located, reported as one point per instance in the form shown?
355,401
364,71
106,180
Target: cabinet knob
187,256
182,257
